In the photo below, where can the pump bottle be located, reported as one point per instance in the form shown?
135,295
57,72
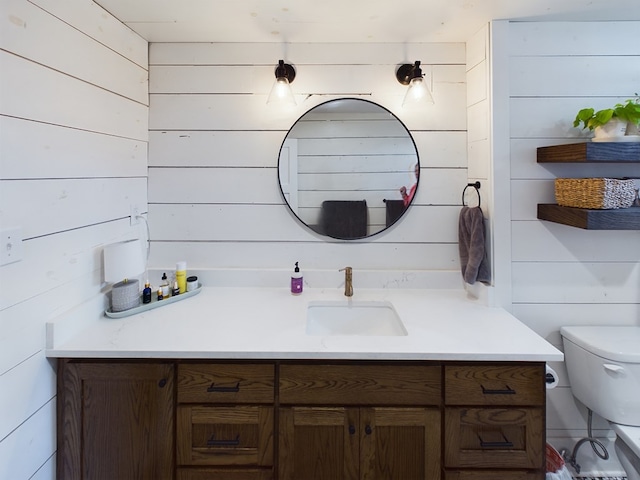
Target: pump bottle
296,281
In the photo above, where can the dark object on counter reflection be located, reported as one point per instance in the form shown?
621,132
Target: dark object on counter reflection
395,209
344,219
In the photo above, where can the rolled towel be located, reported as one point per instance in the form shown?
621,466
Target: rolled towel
471,246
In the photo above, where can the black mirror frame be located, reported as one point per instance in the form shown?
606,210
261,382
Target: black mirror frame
395,220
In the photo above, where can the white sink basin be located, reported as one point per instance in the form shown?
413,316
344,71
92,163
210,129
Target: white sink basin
349,317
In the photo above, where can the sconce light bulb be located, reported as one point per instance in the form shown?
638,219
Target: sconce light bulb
281,88
417,93
281,92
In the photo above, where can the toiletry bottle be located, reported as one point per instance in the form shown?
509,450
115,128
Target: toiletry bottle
146,293
165,286
181,276
296,281
176,290
160,294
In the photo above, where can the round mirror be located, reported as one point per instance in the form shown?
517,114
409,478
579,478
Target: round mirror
348,168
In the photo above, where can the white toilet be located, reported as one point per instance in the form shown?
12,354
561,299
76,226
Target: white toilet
604,371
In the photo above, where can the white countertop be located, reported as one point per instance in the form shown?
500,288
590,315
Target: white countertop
270,323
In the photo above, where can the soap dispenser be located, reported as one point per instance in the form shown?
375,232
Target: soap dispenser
296,281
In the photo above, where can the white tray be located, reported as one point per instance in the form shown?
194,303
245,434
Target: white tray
154,304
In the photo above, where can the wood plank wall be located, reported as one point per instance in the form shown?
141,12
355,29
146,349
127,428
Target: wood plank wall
563,275
214,198
73,139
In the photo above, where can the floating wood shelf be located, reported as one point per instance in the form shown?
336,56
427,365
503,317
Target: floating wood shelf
591,152
619,219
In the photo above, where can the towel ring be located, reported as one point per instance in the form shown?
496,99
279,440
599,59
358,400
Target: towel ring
475,185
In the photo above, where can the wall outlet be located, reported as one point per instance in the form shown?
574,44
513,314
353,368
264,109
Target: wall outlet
10,245
134,214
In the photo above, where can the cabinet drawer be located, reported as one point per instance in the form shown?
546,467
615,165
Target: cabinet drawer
225,435
223,474
494,385
494,438
493,475
226,383
360,385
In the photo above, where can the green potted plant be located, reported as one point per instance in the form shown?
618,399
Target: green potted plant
611,122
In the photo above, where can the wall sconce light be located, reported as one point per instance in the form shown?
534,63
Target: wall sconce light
418,91
281,91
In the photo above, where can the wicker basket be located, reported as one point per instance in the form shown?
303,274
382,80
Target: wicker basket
595,193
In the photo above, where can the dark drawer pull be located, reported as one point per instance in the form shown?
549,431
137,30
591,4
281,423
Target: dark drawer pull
506,391
212,442
505,444
213,389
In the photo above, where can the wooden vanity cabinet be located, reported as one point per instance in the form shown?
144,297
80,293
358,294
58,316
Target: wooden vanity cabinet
494,419
115,420
225,421
293,420
351,422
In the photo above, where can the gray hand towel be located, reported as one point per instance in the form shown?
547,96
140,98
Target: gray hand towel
473,262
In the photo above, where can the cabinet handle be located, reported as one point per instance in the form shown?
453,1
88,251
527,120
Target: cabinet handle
506,391
352,429
212,442
162,383
506,444
367,429
213,389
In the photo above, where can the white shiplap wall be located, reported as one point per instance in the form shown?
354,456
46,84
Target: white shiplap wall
73,158
563,275
214,198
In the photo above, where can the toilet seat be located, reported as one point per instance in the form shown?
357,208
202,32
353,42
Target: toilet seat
629,435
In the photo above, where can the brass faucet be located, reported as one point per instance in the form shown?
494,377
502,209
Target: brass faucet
348,281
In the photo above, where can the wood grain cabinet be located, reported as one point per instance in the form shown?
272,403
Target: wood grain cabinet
494,419
115,420
294,420
356,422
225,421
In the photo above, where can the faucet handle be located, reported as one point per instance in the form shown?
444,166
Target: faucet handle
347,270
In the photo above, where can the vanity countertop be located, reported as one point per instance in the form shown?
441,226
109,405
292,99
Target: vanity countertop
269,323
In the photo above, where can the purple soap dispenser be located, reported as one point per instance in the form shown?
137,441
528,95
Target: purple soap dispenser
296,281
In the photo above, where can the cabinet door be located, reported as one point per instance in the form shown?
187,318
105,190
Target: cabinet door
216,435
494,438
495,384
399,443
225,383
360,385
223,474
493,475
318,443
115,420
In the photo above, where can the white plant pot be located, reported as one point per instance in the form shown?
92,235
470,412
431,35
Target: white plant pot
632,129
613,128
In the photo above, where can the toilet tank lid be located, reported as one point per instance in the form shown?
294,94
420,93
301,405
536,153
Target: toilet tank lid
618,343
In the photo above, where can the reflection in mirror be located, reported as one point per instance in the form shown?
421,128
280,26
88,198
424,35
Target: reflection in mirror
348,168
